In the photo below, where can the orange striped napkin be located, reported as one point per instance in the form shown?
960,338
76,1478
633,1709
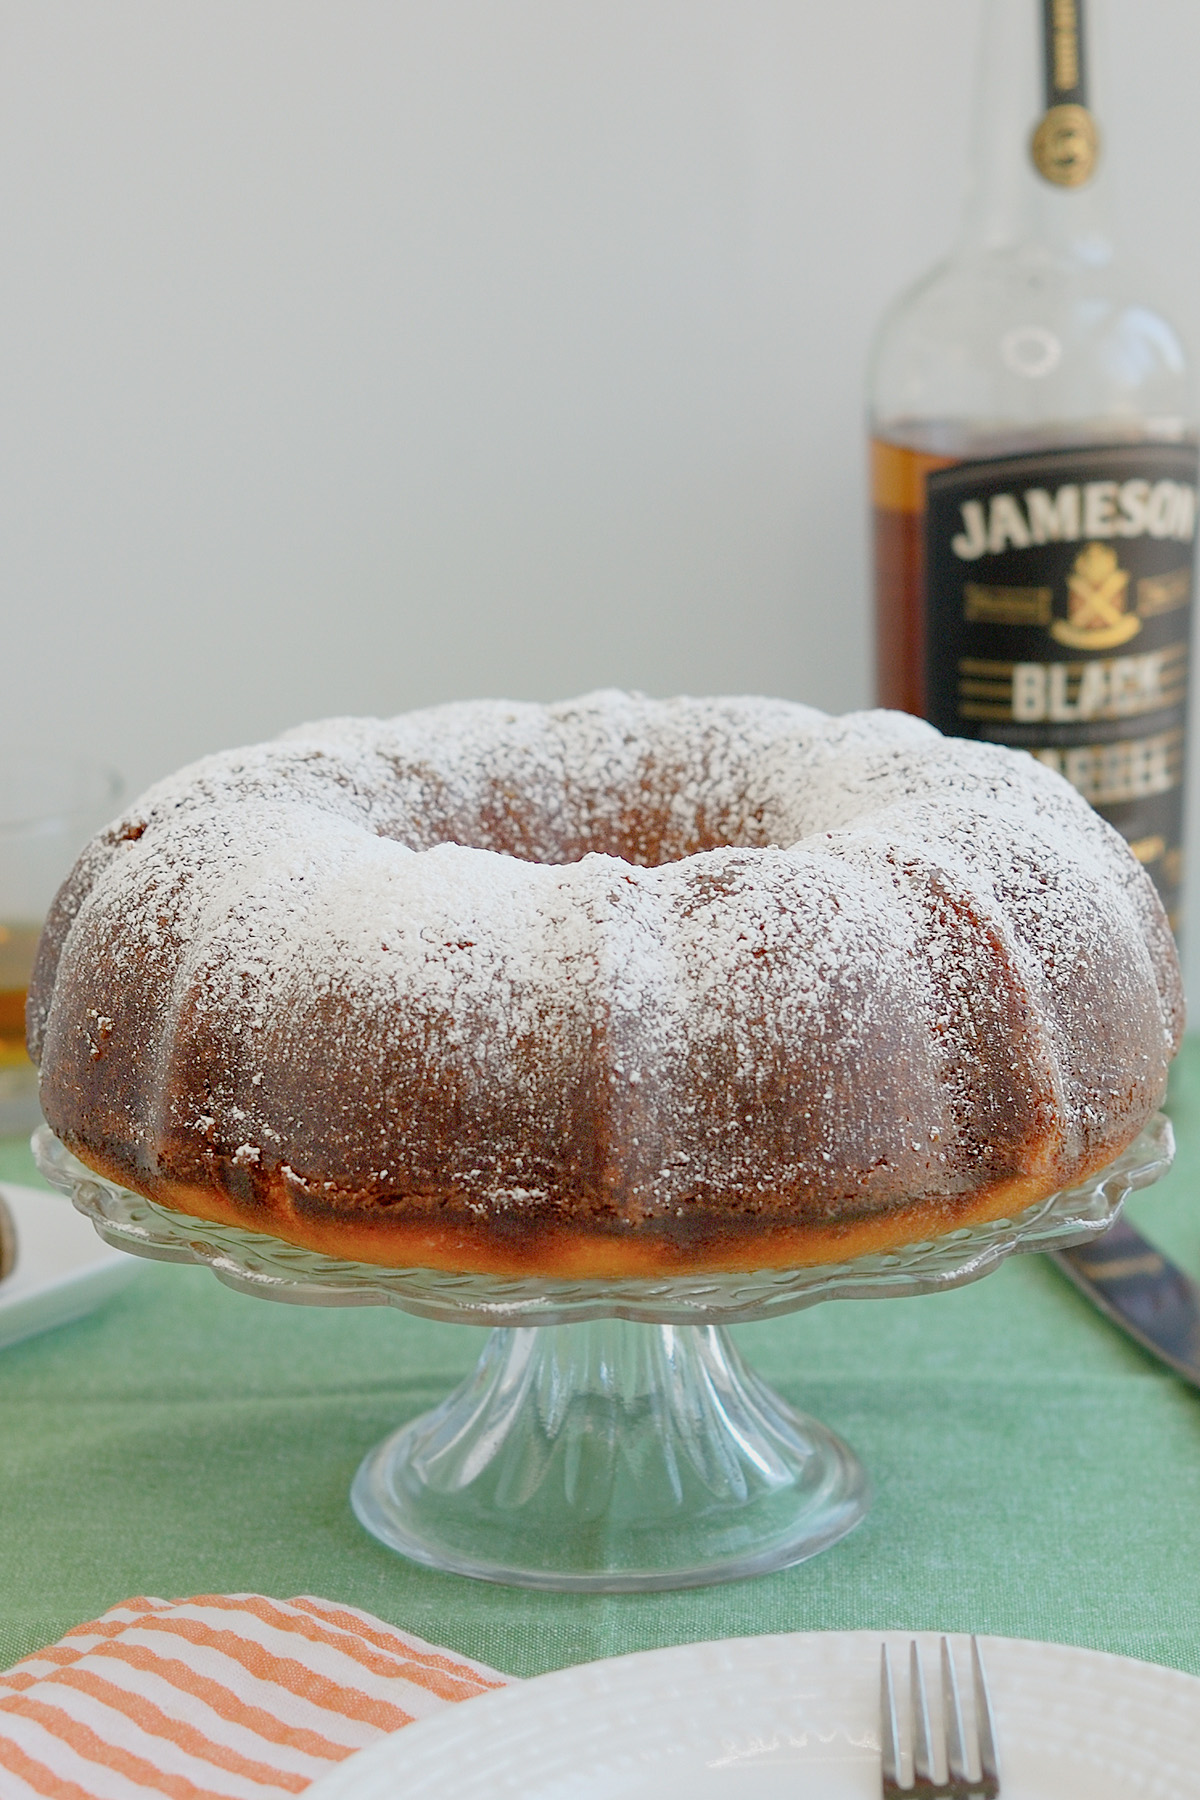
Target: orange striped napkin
221,1697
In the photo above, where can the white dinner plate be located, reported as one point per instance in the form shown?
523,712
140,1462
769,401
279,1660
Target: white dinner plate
768,1717
63,1269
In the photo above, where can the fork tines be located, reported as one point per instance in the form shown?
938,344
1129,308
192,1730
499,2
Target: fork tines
959,1781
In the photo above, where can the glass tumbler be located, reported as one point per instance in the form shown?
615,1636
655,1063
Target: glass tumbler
50,804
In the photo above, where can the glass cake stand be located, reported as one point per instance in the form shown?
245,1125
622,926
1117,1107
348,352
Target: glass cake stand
610,1438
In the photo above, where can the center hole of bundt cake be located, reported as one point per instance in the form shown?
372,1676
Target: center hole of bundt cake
641,831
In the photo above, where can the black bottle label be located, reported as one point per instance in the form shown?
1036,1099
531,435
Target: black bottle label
1065,42
1058,615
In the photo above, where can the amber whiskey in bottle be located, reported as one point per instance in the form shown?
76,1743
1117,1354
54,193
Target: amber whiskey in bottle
1034,458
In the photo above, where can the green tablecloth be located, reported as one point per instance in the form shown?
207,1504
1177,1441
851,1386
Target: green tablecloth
1035,1475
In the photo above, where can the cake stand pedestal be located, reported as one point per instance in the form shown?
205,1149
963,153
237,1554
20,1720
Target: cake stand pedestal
610,1438
611,1455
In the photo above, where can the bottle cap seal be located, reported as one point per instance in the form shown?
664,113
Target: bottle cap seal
1066,146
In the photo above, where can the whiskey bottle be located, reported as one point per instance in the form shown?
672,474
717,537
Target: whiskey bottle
1034,460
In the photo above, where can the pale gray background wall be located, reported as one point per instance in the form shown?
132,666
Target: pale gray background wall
358,354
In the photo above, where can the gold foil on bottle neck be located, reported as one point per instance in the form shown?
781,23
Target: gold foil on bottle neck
1066,146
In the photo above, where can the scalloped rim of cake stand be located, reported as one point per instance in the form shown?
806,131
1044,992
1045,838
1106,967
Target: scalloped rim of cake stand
254,1263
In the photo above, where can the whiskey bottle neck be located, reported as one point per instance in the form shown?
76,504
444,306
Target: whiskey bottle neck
1040,180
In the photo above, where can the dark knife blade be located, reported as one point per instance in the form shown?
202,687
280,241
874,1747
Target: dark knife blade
1142,1291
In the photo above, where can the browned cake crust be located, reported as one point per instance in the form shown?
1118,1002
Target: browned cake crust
394,1234
616,988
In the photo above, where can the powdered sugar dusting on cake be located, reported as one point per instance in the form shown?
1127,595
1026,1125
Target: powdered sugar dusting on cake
617,954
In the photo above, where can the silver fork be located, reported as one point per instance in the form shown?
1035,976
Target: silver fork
960,1783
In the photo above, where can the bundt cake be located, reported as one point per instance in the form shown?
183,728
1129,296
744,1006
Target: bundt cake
614,987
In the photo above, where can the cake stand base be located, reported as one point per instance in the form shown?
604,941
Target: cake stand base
610,1457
